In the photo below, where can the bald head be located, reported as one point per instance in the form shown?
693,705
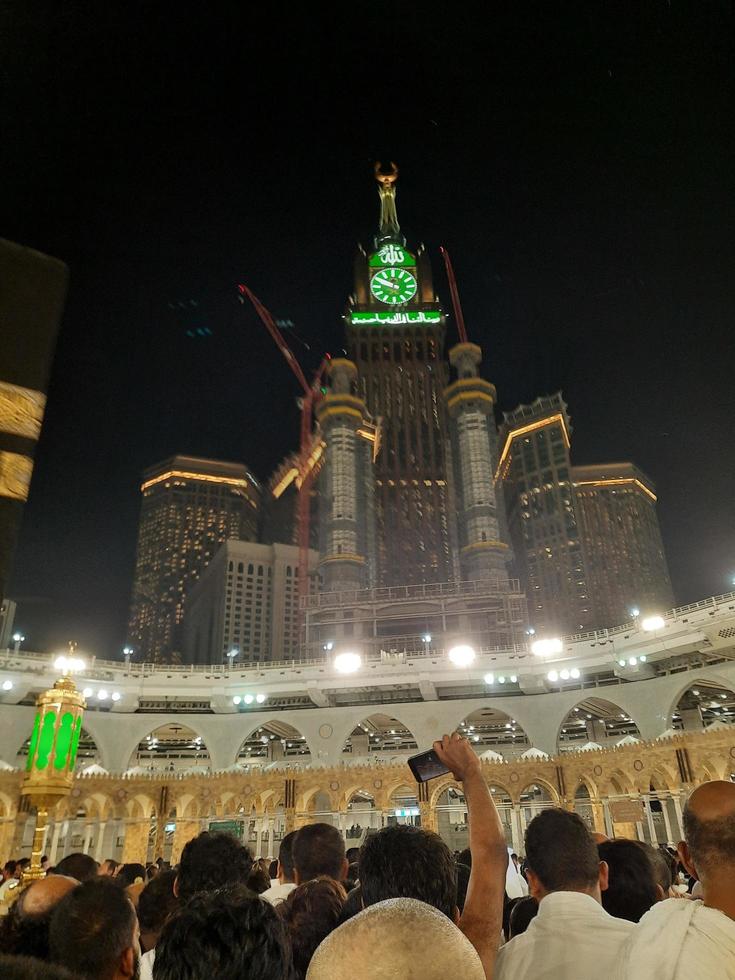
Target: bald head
417,942
40,897
709,827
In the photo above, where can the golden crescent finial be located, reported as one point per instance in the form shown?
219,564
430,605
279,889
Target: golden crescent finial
386,178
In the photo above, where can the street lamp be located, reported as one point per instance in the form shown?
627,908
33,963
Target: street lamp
18,638
462,655
231,654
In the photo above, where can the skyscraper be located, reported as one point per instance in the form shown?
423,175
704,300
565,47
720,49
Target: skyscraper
626,564
534,471
395,338
586,538
190,507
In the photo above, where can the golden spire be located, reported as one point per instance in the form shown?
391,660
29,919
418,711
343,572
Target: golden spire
389,229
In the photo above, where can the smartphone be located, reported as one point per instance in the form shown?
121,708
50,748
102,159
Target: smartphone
426,765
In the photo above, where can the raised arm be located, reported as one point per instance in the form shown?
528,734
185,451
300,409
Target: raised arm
482,918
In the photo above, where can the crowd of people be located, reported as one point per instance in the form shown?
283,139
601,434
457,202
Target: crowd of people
402,906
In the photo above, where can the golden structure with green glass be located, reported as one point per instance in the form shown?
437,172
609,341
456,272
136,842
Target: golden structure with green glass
52,753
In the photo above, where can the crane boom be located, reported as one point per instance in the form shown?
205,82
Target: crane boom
458,315
311,394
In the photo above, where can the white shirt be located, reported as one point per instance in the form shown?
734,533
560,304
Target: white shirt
146,965
278,893
680,939
571,938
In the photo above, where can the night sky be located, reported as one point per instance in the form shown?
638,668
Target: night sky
576,160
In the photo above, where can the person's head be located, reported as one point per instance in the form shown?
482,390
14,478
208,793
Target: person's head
561,856
523,911
463,880
129,874
22,865
224,935
284,871
258,880
665,867
94,932
273,869
408,862
211,861
310,913
44,862
9,869
631,883
318,849
353,855
151,870
108,867
465,857
155,904
708,849
29,968
514,859
25,929
77,865
398,938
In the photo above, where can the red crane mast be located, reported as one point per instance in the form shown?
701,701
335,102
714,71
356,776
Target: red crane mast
458,315
305,462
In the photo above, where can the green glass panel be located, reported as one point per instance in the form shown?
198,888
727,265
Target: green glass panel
34,743
46,741
75,743
63,740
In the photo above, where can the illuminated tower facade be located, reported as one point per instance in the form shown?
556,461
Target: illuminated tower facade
395,337
190,506
470,400
346,488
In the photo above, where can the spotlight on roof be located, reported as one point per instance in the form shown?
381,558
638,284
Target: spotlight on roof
248,699
553,676
635,612
347,663
489,678
7,685
69,665
426,637
652,623
462,655
236,699
547,647
575,673
260,698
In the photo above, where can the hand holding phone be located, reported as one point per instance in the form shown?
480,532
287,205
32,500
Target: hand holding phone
426,765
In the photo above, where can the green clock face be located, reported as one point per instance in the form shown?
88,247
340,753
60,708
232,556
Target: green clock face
393,286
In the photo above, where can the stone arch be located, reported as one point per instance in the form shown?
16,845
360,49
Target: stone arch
173,746
548,792
272,741
700,702
489,727
595,719
536,795
379,734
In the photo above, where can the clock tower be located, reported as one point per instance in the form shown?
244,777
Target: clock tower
395,337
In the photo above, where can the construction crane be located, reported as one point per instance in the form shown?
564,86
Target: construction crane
303,466
458,316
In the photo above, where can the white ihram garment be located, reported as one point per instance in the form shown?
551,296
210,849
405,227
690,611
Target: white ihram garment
571,938
680,940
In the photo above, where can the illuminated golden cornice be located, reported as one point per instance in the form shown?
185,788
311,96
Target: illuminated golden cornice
618,481
531,427
479,545
229,481
347,556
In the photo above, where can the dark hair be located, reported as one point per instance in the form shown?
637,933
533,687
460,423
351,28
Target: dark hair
24,862
353,904
157,901
524,910
318,849
631,885
129,873
211,861
353,855
91,927
10,866
273,869
258,880
465,857
30,968
561,852
311,912
113,864
224,935
25,935
151,870
408,862
711,841
664,866
78,865
285,855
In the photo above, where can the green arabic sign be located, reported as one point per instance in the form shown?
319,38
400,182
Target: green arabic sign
405,316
